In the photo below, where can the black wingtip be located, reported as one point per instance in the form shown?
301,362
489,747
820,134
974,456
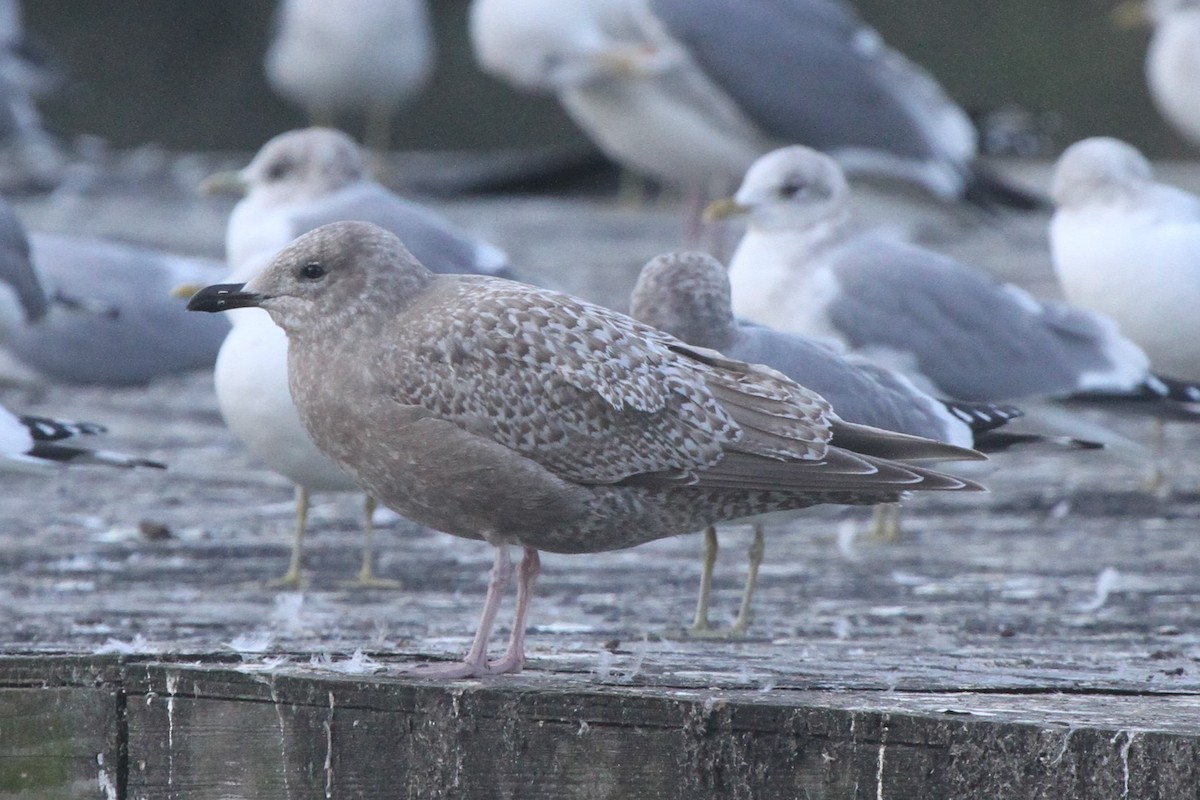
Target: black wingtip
223,297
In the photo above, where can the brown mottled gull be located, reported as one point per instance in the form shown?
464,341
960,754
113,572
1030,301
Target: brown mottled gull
493,410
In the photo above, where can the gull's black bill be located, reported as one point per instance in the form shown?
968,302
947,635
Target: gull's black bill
222,297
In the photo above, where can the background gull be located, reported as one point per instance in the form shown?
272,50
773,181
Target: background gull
26,73
802,267
493,410
333,56
1129,247
688,295
86,310
301,180
1173,59
30,444
22,298
692,91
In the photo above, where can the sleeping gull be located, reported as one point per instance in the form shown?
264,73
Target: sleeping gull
692,91
86,310
1129,247
298,181
688,296
493,410
329,56
1173,59
29,444
801,267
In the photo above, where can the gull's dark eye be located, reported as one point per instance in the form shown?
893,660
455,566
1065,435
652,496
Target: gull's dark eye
278,170
312,271
791,189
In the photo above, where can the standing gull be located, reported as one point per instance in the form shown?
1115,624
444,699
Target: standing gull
34,444
692,91
298,181
332,56
1173,59
23,299
802,267
687,295
493,410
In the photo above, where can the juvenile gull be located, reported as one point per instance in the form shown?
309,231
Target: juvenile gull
493,410
298,181
802,267
86,310
1129,247
692,91
687,295
29,444
331,56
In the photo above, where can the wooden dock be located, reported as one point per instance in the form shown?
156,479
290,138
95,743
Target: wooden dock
1039,641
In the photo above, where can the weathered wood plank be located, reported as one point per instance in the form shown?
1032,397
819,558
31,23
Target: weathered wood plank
58,742
200,731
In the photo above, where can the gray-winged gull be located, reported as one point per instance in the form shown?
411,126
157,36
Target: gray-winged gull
332,56
298,181
1129,247
22,298
306,178
87,310
1173,58
688,295
29,443
692,91
493,410
31,155
803,267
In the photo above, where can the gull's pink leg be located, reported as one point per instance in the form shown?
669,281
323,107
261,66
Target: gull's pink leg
476,661
527,574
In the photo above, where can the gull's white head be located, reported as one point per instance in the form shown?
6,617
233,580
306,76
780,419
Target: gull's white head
550,45
304,164
1098,169
793,188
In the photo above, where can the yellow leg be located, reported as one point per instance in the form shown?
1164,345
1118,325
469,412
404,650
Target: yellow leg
700,624
366,578
1156,482
378,132
885,522
757,548
292,579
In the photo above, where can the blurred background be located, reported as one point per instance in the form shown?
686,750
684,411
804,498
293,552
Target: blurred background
189,75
